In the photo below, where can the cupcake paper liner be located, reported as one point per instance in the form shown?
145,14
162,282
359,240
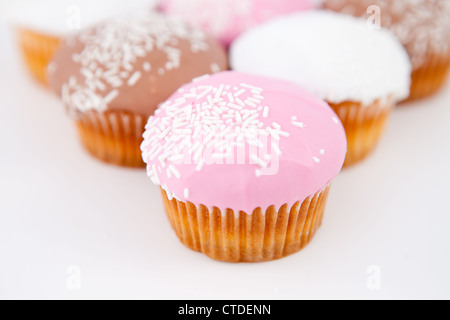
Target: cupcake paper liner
37,50
260,236
112,136
429,78
363,126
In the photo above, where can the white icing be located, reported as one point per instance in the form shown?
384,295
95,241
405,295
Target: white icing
332,55
61,17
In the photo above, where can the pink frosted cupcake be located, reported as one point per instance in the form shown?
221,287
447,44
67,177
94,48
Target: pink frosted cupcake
244,164
226,19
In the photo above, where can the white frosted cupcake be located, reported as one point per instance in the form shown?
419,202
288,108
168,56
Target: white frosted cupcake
361,73
41,25
423,26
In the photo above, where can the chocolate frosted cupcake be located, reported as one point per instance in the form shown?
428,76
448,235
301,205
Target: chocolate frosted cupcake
361,73
423,26
113,76
244,164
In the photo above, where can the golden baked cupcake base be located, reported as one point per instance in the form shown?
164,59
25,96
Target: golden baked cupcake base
37,50
247,238
429,78
363,126
112,136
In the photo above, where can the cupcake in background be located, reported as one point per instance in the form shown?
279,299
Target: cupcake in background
226,19
361,73
423,26
41,25
112,77
244,164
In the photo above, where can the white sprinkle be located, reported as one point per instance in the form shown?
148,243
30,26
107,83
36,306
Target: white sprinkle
128,66
215,67
179,103
87,73
200,164
258,161
251,87
100,85
276,149
186,193
72,81
155,173
316,160
266,112
163,134
238,117
283,134
258,173
276,125
134,78
154,154
111,96
254,100
175,172
219,91
239,101
298,124
204,93
336,120
273,133
51,67
251,104
200,78
146,66
237,94
322,152
234,106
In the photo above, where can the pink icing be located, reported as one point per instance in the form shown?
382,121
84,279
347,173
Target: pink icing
303,151
227,19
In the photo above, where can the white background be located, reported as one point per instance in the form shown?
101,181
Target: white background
59,207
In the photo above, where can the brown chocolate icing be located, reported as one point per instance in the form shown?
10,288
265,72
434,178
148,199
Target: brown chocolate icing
131,64
423,26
